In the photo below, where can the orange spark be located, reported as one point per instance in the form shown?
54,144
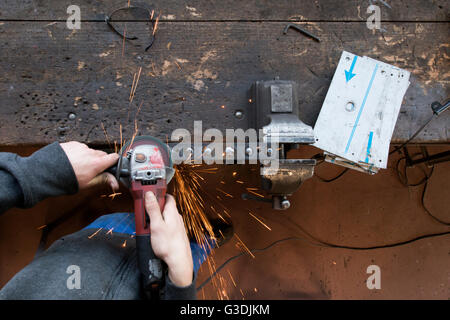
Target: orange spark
231,277
156,24
265,225
121,141
106,134
93,235
124,37
220,216
226,212
132,85
225,193
133,89
113,195
245,247
255,193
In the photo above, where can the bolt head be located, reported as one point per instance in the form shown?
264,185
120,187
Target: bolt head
239,114
229,151
285,204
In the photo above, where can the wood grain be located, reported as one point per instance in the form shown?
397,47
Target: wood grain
192,70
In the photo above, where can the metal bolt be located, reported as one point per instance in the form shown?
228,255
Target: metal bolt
72,116
229,151
239,114
285,204
62,130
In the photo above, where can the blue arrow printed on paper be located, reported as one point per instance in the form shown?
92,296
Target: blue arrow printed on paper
349,74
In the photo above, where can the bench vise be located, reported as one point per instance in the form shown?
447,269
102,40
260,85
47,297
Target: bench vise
275,110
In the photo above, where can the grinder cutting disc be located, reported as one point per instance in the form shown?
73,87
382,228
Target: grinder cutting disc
162,156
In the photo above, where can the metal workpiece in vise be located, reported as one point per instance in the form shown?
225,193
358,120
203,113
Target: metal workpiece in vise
275,110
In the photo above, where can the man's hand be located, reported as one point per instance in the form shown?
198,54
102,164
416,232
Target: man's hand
88,164
169,240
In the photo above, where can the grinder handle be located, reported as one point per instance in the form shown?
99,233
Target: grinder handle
151,267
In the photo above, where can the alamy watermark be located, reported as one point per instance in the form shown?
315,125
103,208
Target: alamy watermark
374,280
374,20
74,19
74,280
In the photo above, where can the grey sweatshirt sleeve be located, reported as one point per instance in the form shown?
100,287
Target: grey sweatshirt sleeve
24,181
174,292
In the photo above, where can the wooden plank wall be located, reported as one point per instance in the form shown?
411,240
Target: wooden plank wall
61,84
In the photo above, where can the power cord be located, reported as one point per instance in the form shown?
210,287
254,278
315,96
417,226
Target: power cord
437,110
426,209
332,179
403,178
319,243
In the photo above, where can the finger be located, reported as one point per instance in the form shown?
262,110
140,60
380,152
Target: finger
170,205
106,161
152,208
100,153
112,181
104,178
170,212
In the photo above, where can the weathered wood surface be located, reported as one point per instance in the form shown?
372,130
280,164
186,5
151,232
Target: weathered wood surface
234,10
195,68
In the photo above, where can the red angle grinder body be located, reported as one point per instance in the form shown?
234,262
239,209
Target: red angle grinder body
145,165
